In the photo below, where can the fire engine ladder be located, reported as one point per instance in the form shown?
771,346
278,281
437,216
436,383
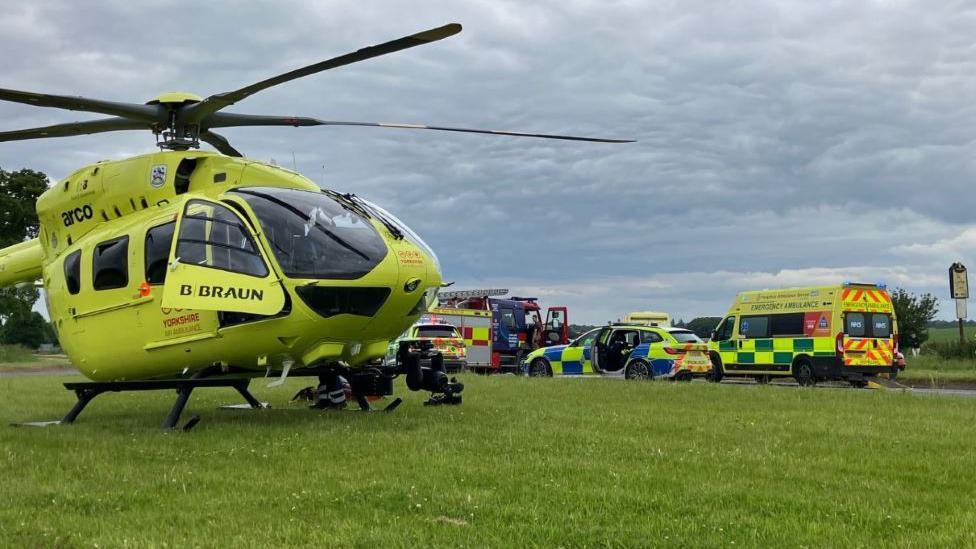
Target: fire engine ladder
468,294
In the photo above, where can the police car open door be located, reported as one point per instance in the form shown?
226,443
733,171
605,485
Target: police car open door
215,264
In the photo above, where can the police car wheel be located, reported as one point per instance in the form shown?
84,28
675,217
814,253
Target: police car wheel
803,373
540,368
638,369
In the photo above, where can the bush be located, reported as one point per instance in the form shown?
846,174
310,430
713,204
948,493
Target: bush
952,349
16,353
27,328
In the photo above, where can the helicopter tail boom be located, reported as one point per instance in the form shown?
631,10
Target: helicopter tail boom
21,263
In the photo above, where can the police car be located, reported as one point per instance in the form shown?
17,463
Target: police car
628,350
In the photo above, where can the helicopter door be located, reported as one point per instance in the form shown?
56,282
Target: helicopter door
216,265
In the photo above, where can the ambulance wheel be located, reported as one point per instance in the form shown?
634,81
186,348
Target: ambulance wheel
715,375
803,373
638,369
540,368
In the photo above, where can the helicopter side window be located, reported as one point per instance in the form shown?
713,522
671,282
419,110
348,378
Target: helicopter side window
158,241
110,269
72,272
213,236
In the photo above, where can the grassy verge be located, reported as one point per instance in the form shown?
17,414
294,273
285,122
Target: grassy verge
16,354
932,370
523,462
951,334
14,358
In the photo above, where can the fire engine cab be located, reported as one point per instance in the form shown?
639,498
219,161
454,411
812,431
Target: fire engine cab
517,327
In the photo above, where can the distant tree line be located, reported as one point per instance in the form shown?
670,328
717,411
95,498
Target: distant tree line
576,330
937,324
19,323
702,326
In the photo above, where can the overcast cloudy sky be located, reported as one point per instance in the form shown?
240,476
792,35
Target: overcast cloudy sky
780,143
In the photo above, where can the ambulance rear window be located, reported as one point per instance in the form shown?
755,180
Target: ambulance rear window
854,325
880,325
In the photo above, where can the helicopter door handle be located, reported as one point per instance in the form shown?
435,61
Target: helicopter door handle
174,263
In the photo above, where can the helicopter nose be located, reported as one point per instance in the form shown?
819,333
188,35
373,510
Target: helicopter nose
329,301
402,285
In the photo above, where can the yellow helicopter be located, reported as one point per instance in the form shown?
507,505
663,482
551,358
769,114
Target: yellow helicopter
182,268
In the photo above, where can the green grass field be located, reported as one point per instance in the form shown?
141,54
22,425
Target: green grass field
523,462
16,358
16,354
938,371
951,334
932,370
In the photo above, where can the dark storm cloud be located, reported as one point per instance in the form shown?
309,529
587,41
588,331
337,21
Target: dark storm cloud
780,142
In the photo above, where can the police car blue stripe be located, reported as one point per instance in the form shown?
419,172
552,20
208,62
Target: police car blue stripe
572,367
553,353
661,366
644,349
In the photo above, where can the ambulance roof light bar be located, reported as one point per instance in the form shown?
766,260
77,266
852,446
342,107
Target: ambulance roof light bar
879,285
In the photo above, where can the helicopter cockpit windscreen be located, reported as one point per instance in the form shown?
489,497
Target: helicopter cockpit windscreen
407,231
312,235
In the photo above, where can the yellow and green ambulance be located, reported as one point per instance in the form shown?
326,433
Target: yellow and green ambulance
843,332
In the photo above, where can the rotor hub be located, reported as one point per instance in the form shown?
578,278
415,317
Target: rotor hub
175,98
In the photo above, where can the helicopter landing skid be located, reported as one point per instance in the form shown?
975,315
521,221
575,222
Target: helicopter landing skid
87,391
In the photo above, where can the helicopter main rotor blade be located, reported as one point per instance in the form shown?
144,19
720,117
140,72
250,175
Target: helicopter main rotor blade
472,130
231,120
135,111
195,114
220,143
227,120
75,128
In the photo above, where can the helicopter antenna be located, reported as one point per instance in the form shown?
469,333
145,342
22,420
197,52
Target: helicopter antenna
182,120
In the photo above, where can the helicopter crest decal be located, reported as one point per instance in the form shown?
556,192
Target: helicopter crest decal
157,176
